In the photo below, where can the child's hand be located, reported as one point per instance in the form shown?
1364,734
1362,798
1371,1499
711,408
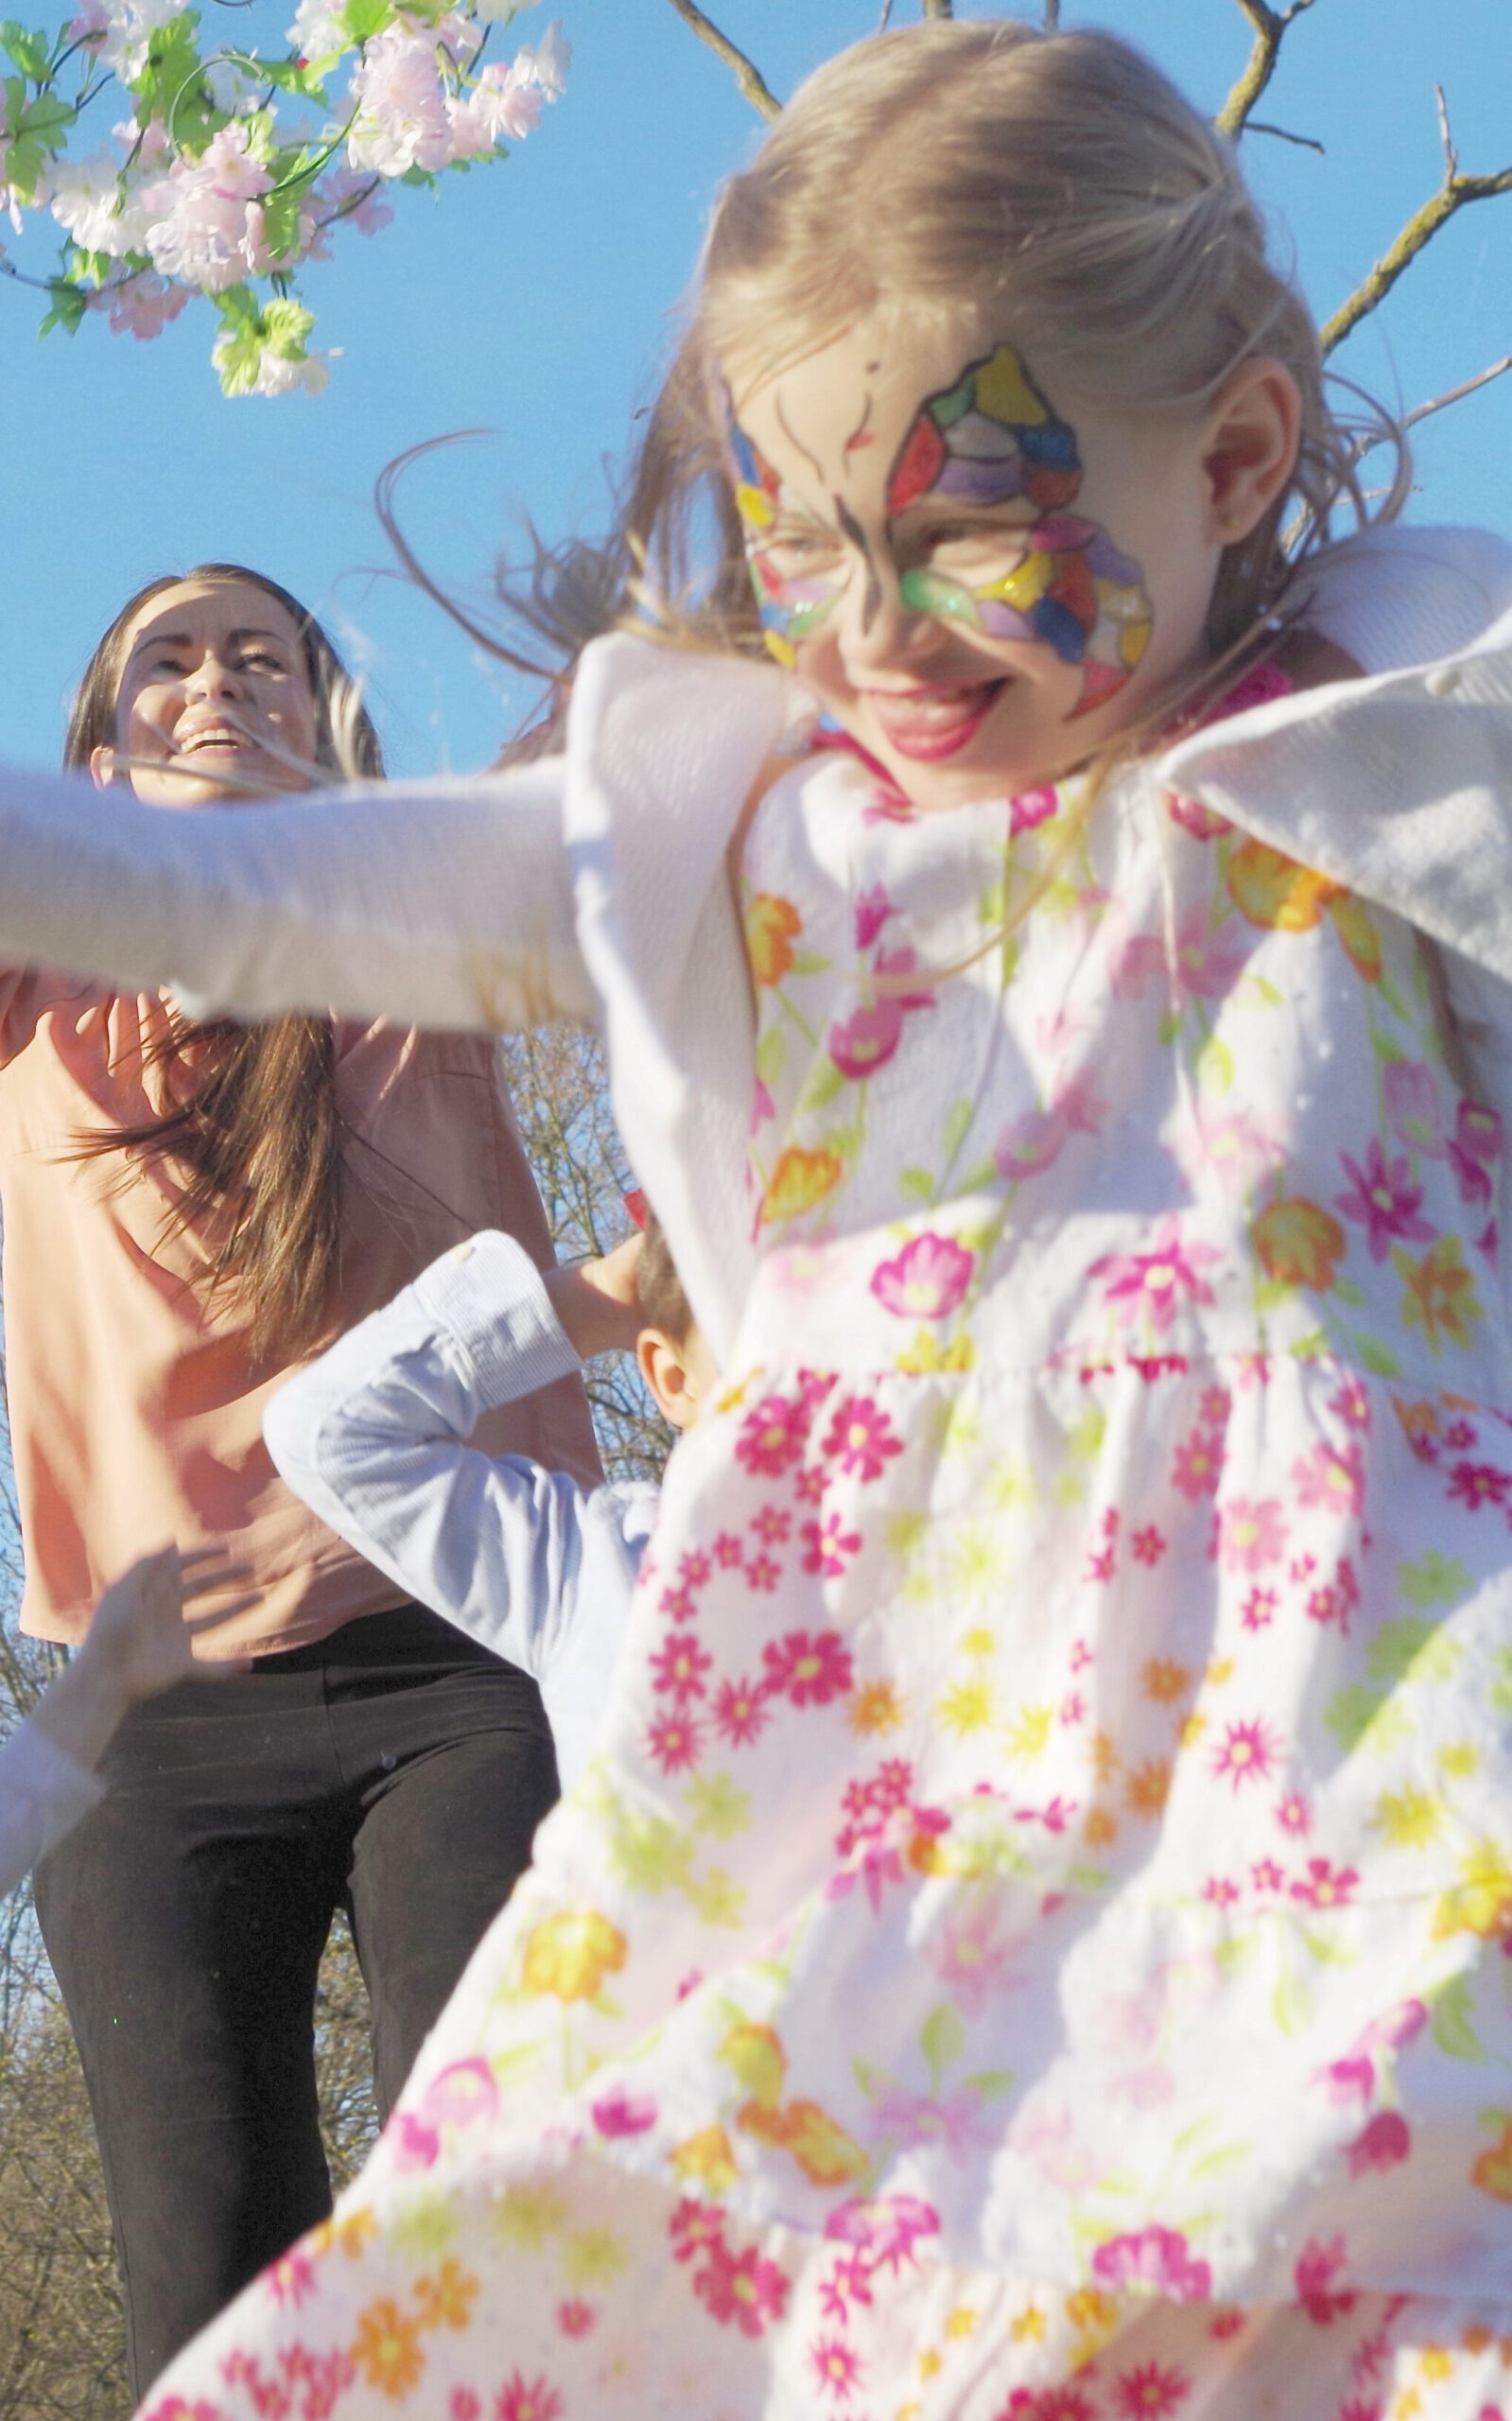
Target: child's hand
140,1637
597,1303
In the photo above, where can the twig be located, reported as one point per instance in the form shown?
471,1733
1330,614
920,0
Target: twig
1258,126
1456,191
1270,26
752,82
1052,16
1439,403
886,17
938,8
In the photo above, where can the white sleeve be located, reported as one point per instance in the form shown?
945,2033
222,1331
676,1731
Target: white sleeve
373,1437
43,1795
437,904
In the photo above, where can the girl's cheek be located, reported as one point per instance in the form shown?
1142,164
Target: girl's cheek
790,611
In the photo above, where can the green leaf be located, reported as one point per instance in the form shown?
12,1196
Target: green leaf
68,309
1348,1292
32,52
942,2038
362,19
281,221
1451,2029
306,78
238,356
1434,1579
1169,1027
1224,2158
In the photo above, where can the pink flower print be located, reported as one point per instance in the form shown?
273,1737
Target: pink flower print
678,1668
974,1961
927,1280
463,2405
1160,1279
1202,822
743,2288
1401,2023
1036,1138
1412,1107
622,2114
862,1437
1151,2392
873,909
1317,2268
728,1551
1383,1201
903,961
762,1107
1147,1545
1215,1405
807,1668
865,1041
771,1524
836,2366
1030,808
1327,1887
762,1574
829,1545
849,2282
693,1568
1259,1609
1251,1533
957,2121
1294,1815
1267,1875
523,2399
1049,2141
1146,2088
1198,1464
1246,1752
1233,1146
291,2277
1209,958
675,1741
810,1485
1352,1405
1473,1151
887,2228
575,2317
1332,1476
695,2228
1478,1484
1220,1892
1385,2141
1098,1565
773,1438
678,1603
740,1713
1158,2258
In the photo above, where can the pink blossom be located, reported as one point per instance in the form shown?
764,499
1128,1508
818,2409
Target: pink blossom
1352,1405
1158,2258
675,1741
742,2287
1386,2141
1251,1533
1028,809
1383,1199
1259,1609
927,1280
861,1436
575,2317
1148,1545
695,2228
1151,2392
678,1667
523,2399
807,1668
201,226
1294,1815
1235,1147
867,1039
888,2228
1202,822
1158,1280
836,2366
399,104
903,961
142,305
352,198
1147,2088
762,1574
1049,2141
772,1525
623,2113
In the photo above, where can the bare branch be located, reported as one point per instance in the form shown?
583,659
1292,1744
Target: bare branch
752,82
1452,194
1270,26
1440,403
1308,142
1052,16
886,17
938,8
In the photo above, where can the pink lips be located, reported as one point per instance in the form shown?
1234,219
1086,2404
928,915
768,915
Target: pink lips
927,724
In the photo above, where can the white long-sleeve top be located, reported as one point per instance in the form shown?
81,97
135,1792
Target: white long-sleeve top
374,1436
44,1792
596,884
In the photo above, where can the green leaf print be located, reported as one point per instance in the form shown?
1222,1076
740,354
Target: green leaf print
1360,1717
957,1121
1501,1690
1169,1028
1410,1649
1291,2005
916,1182
821,1085
989,2082
772,1054
1437,1579
809,962
1215,1065
942,2039
1379,1359
1224,2157
1451,2029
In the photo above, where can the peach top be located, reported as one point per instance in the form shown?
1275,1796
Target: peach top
136,1403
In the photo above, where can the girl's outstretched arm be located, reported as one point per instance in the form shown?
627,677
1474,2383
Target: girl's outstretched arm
443,903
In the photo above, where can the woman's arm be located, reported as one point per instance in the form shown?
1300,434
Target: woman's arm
438,904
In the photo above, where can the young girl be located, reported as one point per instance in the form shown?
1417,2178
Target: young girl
190,1209
1032,1941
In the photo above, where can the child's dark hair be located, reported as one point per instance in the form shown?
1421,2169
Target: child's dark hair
658,1287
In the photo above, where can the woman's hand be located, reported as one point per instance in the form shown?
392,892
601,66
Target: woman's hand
139,1643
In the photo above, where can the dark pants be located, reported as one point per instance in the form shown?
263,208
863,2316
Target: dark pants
395,1770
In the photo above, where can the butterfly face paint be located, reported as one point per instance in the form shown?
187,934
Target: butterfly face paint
792,598
991,439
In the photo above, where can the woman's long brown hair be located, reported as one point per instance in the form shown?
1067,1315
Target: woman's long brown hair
256,1132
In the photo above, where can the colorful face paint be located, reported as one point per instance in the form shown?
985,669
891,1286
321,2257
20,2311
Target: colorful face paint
992,439
791,601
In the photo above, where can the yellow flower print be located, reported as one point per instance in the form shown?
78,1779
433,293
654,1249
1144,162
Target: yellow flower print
928,1354
349,2235
526,2215
593,2257
1438,1293
1029,1735
707,2155
1492,2172
771,924
1274,891
571,1954
876,1707
387,2348
1410,1818
1481,1902
961,2322
1356,929
1299,1243
800,1180
966,1708
826,2153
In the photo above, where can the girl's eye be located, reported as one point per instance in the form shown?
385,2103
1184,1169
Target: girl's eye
801,554
961,552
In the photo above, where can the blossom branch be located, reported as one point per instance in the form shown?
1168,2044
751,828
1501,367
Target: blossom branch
1455,193
752,82
1270,29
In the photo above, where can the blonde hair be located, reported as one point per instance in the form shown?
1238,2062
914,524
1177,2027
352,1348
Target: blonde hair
1059,179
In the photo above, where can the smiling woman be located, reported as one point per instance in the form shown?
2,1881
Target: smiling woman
190,1209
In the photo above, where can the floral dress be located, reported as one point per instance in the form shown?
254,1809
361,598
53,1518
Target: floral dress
1033,1945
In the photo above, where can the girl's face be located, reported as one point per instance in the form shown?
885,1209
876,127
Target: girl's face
214,702
978,578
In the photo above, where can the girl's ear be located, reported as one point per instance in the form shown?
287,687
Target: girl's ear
102,767
1249,447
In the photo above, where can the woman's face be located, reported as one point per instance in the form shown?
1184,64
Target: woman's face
214,702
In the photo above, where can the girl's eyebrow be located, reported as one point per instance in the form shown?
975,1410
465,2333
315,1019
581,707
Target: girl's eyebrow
186,639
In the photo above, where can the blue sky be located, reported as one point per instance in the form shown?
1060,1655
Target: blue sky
534,298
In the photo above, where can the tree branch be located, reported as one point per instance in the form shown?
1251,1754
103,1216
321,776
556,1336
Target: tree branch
752,82
1439,403
1452,194
1270,26
932,8
1308,142
1052,16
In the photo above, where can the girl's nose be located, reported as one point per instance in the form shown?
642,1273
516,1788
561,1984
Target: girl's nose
881,627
